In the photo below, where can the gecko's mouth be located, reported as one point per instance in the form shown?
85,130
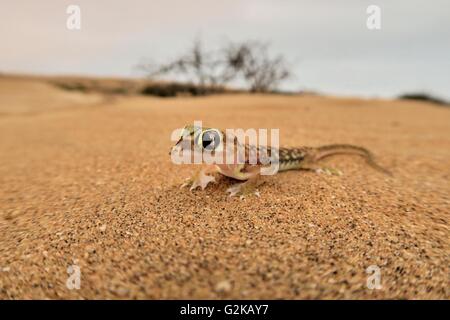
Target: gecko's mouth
174,149
179,151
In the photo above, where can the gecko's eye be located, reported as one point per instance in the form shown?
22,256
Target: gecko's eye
209,139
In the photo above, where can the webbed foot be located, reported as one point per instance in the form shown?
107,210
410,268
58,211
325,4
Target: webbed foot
200,179
329,171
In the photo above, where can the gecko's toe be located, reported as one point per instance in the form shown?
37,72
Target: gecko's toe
185,184
198,180
190,183
234,190
319,170
245,194
205,179
333,171
194,185
329,171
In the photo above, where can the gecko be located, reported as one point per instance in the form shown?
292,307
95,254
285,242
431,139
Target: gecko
220,144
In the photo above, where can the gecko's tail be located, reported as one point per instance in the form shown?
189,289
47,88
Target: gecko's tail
334,149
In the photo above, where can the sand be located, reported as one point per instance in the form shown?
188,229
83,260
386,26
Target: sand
86,180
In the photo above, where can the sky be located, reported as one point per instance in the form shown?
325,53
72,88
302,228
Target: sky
327,43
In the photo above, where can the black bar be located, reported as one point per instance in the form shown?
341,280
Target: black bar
227,309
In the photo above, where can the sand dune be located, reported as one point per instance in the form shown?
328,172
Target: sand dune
21,95
86,179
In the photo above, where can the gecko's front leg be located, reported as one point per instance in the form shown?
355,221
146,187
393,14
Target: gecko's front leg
246,188
201,178
249,187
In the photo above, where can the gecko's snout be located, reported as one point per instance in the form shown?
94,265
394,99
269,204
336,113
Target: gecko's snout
175,148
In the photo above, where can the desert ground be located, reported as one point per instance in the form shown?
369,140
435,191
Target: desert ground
86,180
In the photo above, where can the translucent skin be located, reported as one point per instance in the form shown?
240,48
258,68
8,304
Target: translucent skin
233,159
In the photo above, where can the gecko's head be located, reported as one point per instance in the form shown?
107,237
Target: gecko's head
199,139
